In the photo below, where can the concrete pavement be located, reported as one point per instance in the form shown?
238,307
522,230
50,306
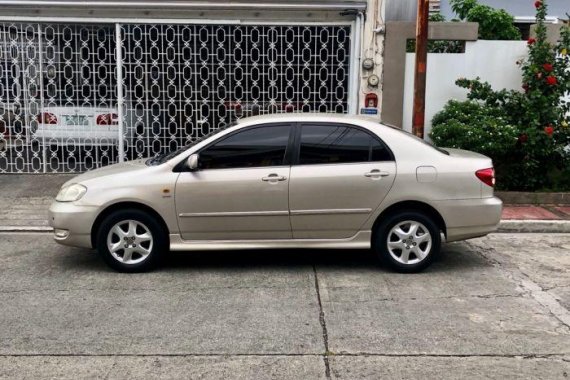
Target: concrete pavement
495,307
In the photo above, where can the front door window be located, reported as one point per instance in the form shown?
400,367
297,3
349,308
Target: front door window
252,148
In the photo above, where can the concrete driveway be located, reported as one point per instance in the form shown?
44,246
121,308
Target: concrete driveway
495,307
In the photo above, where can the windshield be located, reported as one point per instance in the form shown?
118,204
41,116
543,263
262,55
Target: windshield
164,157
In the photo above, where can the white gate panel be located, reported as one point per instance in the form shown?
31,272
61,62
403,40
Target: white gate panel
59,86
185,81
20,97
57,99
80,84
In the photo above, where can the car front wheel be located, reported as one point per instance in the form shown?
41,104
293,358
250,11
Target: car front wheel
131,241
408,241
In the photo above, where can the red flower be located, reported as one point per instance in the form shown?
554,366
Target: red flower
523,138
525,87
531,41
548,67
551,80
549,130
537,4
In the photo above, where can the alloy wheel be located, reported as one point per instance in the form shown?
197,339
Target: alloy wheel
409,242
129,241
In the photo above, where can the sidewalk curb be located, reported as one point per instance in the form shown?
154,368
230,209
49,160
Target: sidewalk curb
505,226
534,226
25,229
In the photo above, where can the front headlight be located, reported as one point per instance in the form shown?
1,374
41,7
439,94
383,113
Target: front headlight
71,193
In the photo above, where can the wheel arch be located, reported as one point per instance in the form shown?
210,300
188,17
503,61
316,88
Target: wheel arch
423,207
122,206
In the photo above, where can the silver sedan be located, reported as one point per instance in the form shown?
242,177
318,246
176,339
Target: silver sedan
283,181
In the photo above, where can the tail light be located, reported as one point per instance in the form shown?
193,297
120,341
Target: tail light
107,119
232,105
47,118
487,176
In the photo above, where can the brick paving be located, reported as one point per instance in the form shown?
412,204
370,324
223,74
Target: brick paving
529,213
564,210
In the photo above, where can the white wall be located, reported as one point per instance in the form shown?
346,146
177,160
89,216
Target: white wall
372,45
493,61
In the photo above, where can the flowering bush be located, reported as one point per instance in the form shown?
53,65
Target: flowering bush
538,156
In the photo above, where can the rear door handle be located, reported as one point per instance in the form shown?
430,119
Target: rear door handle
375,173
273,178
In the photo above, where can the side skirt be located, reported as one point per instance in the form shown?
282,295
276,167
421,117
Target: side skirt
359,241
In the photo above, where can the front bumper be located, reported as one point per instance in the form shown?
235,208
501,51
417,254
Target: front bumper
72,223
470,218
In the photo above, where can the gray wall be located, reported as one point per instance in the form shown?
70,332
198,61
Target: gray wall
401,10
298,10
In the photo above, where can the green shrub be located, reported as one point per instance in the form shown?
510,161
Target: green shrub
494,24
438,46
472,126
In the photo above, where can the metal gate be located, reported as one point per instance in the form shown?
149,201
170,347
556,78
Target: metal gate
74,97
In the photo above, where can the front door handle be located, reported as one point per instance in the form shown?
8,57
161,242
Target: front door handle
375,173
274,178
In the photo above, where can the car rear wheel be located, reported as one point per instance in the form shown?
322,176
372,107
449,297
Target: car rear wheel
408,241
131,241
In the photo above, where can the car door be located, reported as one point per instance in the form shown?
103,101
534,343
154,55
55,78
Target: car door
240,190
340,176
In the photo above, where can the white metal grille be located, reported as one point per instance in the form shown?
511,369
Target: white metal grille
59,93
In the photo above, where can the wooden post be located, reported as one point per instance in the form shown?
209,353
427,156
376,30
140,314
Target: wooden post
421,68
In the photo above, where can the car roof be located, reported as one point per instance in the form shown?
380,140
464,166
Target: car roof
301,116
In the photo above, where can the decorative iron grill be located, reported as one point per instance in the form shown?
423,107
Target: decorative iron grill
59,93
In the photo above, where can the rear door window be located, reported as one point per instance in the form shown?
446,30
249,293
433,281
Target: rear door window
337,143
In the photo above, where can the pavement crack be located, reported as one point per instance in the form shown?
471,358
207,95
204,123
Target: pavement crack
399,299
108,374
173,289
323,325
548,288
560,355
524,282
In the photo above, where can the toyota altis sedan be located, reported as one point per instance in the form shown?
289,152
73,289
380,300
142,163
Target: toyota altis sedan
283,181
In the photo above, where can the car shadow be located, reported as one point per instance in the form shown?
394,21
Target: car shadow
270,258
452,258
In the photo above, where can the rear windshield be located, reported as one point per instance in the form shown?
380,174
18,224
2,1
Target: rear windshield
419,139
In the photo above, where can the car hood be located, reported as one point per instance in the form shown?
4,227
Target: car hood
121,168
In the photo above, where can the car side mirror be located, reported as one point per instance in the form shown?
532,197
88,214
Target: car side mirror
192,162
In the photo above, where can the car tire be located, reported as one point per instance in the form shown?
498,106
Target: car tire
131,241
408,241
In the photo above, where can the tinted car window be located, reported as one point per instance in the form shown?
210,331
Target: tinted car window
256,147
327,144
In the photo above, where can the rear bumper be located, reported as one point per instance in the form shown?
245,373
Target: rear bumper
470,218
72,224
73,137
